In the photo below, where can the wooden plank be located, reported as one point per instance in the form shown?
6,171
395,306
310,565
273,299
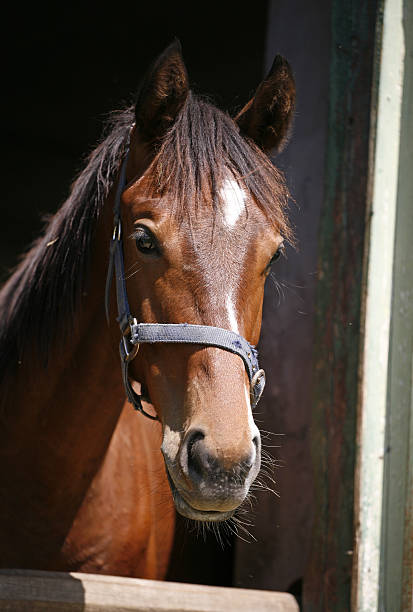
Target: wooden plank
339,311
26,590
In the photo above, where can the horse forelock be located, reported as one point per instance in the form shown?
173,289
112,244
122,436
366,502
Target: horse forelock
201,153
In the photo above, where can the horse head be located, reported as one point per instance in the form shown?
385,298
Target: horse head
203,218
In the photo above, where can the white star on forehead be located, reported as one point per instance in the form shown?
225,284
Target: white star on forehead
233,198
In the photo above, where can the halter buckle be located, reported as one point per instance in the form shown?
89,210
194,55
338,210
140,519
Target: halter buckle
117,231
130,349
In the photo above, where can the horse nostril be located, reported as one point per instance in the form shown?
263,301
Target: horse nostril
257,442
189,457
199,464
199,461
249,461
193,437
255,451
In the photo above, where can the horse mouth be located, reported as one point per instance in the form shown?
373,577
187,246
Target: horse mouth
188,511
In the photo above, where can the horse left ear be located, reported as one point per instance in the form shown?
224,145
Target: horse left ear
162,95
267,117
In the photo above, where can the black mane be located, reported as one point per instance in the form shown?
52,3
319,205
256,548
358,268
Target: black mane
43,293
45,288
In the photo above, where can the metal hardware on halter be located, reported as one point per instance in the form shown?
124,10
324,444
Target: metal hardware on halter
130,348
117,231
257,387
134,334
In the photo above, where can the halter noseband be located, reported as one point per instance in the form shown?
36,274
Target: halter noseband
134,333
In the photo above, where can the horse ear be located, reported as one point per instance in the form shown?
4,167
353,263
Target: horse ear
267,117
162,94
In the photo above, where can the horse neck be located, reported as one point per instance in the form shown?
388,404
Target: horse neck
60,417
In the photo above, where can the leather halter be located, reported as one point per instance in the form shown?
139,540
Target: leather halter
134,334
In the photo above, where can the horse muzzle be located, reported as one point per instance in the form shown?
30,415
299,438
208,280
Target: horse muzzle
204,485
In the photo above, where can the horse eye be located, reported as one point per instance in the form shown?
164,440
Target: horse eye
145,241
277,253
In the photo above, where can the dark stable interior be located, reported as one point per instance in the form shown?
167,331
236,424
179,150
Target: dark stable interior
66,68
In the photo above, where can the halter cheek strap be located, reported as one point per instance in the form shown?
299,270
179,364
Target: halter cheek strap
134,334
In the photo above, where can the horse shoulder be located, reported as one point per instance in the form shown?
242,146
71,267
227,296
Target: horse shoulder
125,524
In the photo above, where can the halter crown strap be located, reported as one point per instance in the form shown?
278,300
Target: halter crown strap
134,333
116,258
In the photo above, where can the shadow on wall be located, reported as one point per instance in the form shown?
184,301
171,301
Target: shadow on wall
282,524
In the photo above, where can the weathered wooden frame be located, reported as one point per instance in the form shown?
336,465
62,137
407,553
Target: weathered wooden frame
31,591
362,555
339,318
383,567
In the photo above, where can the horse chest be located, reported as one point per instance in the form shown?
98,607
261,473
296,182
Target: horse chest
125,524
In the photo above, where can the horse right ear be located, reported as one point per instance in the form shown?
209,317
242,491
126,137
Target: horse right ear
162,95
267,117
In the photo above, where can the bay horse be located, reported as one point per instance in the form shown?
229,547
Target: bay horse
183,206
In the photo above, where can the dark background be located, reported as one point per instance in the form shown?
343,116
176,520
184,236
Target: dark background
67,66
64,68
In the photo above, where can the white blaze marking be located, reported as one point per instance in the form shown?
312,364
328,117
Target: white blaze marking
253,428
232,317
233,198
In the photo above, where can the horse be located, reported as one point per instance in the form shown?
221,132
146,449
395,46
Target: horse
176,218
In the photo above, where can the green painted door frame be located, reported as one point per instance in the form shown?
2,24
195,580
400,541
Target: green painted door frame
362,440
384,480
344,222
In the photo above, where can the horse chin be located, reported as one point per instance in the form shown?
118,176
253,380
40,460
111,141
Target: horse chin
188,511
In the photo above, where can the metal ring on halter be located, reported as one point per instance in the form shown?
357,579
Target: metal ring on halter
130,348
257,386
117,231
